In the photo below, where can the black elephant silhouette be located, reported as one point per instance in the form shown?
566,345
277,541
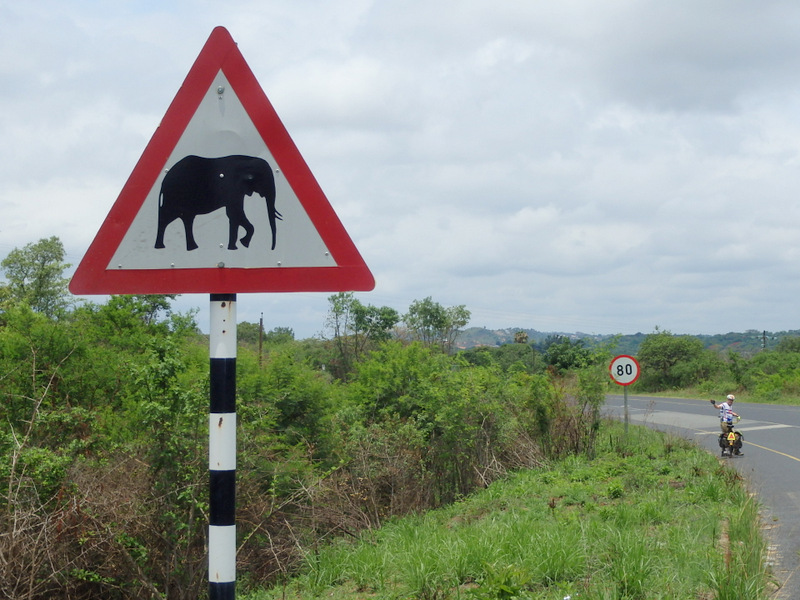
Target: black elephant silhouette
197,186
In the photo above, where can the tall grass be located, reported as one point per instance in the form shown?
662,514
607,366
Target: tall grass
745,553
654,519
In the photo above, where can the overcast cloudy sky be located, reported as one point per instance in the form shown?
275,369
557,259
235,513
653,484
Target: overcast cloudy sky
605,167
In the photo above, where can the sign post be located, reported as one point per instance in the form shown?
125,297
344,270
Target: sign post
221,202
222,449
624,370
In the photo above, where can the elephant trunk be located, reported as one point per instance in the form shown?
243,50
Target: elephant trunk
272,214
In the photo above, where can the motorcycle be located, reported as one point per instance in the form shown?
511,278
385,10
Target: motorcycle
731,441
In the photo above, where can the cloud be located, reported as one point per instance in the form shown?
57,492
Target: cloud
558,166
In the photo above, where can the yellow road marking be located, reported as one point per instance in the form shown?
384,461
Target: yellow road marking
775,451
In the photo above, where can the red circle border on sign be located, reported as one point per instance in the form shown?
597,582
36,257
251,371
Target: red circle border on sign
638,369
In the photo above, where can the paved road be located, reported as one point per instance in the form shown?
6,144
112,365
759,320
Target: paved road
771,463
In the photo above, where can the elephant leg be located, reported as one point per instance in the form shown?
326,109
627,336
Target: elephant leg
248,231
188,223
160,235
236,219
163,221
233,231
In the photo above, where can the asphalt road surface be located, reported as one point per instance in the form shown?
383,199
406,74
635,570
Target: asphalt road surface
770,464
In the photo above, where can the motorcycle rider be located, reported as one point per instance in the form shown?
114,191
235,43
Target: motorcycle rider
726,413
726,416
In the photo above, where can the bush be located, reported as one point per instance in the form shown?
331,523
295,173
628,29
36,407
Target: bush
675,362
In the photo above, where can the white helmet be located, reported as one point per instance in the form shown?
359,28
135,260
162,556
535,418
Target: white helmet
731,397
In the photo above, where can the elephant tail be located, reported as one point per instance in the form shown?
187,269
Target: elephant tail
273,216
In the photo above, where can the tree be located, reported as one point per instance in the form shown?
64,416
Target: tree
434,325
508,357
279,335
167,394
35,276
249,333
674,361
144,309
564,354
129,321
357,327
518,356
789,344
254,334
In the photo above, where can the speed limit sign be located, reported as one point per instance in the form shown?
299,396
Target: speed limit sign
624,369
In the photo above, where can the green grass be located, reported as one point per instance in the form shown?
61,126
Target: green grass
654,519
719,394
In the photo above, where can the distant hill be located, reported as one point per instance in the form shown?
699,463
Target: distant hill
747,343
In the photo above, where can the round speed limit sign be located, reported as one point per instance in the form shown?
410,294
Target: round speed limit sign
624,369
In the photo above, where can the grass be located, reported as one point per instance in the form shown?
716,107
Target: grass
696,393
654,519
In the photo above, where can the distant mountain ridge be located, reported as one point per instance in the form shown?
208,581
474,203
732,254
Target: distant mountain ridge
746,343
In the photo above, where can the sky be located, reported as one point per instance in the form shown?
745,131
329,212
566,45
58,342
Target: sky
568,166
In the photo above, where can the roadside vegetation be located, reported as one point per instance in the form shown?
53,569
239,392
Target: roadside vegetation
680,364
652,518
375,429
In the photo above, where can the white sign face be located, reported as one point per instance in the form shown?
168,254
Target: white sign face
298,242
624,369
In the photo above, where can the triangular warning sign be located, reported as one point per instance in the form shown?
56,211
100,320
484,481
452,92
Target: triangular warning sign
221,201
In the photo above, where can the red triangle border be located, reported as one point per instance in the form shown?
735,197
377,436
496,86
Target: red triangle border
220,52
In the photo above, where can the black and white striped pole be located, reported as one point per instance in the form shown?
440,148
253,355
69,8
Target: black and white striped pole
222,449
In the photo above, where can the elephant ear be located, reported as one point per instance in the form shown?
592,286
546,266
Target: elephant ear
248,181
